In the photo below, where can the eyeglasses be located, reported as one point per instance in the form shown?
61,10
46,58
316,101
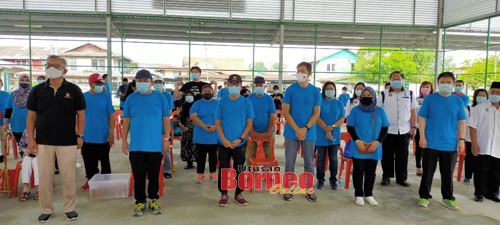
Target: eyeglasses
57,66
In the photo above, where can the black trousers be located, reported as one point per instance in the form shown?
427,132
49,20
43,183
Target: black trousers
17,136
92,154
363,168
225,155
203,150
487,176
395,145
418,150
145,164
447,161
470,161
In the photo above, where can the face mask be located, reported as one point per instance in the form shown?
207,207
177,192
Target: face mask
396,83
425,91
445,88
234,90
358,93
207,96
195,76
189,99
53,73
41,81
158,87
1,86
259,90
143,87
301,77
330,93
480,100
24,85
495,98
458,89
180,87
276,92
366,100
98,89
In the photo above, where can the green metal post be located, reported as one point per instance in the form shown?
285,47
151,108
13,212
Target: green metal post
121,31
253,57
487,53
380,60
29,38
189,54
315,48
444,49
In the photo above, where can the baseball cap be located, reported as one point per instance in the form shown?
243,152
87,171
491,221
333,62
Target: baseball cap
157,79
95,78
234,77
259,80
144,74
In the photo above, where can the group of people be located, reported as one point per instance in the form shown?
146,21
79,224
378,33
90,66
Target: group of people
57,119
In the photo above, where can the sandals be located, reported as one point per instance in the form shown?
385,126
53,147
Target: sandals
24,196
36,196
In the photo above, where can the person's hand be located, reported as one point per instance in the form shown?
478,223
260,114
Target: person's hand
373,146
125,147
211,129
227,144
329,136
413,132
236,142
179,83
475,149
361,145
111,139
267,134
461,147
422,143
6,128
329,129
166,146
184,129
32,145
79,143
301,133
213,82
206,128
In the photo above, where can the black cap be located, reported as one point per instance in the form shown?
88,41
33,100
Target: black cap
144,74
259,80
495,85
234,77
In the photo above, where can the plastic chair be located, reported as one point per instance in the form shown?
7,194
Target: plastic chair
118,123
260,157
461,159
345,137
160,180
13,142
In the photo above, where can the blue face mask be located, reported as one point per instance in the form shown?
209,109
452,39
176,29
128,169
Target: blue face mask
495,98
358,93
329,93
98,89
41,81
396,83
143,87
259,90
234,90
189,99
195,76
480,100
458,89
445,88
276,92
158,87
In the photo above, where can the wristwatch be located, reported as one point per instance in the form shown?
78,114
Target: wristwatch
461,139
334,126
242,139
307,128
79,136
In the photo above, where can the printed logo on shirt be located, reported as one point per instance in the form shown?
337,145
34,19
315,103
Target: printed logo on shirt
390,95
356,101
195,90
68,96
420,102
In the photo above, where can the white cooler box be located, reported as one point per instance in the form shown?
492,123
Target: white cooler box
107,186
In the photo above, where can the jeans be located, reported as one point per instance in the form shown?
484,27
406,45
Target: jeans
332,151
291,150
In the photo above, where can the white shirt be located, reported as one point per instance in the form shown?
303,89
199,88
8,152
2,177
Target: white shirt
350,105
419,102
398,108
485,117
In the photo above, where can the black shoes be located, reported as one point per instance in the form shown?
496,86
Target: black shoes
71,215
403,183
44,218
493,198
478,198
385,181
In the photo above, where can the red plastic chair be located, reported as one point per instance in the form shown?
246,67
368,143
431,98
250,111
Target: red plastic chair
13,142
345,137
118,123
461,159
160,180
260,156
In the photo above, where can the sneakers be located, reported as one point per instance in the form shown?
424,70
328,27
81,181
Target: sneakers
201,178
423,203
478,198
71,215
213,178
312,197
334,186
238,198
85,186
450,204
139,209
466,181
154,207
385,181
223,200
44,218
359,201
371,200
287,197
319,185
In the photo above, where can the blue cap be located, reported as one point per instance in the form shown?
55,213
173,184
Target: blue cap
143,74
259,80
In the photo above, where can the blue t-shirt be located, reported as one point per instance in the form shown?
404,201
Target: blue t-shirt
19,116
302,102
146,114
170,100
233,115
344,98
223,93
206,113
330,112
262,108
4,96
442,114
465,99
108,88
363,124
97,113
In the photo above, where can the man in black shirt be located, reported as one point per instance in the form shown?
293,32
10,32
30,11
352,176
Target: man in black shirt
195,85
121,92
54,108
277,96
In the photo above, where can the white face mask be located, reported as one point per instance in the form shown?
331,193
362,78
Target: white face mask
301,77
53,73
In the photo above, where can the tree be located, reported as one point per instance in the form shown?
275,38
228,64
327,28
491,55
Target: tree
473,72
260,66
276,67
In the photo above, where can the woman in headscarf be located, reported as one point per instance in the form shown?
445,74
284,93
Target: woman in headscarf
367,125
16,112
188,150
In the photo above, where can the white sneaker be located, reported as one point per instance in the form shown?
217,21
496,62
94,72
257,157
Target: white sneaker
371,200
360,201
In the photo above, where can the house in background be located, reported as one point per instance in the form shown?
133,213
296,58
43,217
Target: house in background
335,66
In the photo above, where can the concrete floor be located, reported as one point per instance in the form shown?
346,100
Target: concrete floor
186,202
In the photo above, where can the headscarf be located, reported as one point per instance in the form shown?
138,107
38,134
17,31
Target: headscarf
371,107
20,96
186,106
